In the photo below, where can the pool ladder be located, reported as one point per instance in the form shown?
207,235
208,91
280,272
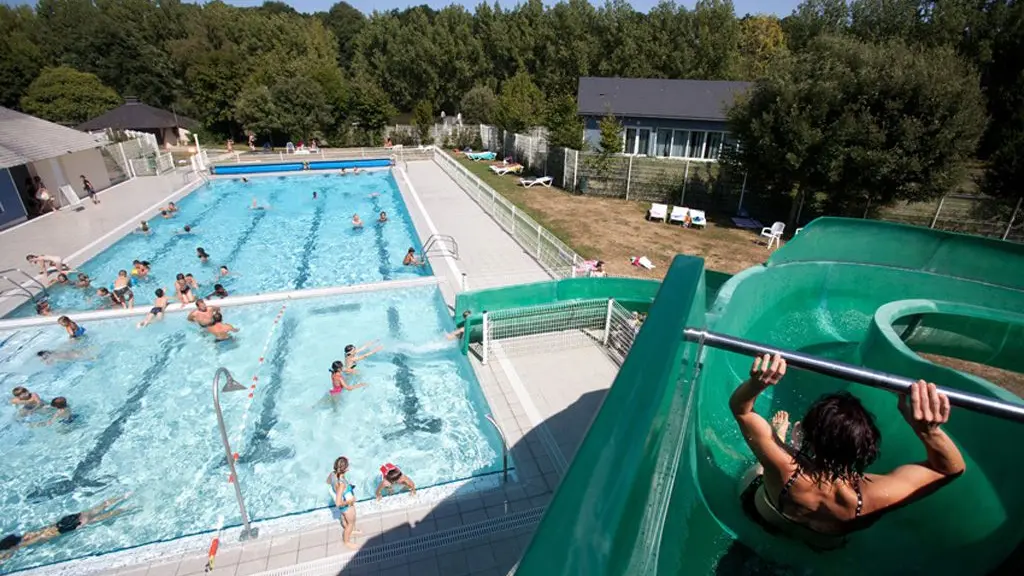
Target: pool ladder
19,289
441,245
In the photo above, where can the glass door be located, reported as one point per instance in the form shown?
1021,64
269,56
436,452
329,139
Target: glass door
629,146
664,147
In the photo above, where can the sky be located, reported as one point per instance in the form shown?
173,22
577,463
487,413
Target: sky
777,7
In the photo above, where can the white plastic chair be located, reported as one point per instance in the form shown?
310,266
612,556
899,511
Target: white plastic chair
545,181
698,218
774,234
678,214
658,212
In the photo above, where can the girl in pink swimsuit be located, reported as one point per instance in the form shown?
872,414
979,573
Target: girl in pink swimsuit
338,380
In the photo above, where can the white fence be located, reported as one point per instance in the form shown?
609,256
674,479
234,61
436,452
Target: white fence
550,252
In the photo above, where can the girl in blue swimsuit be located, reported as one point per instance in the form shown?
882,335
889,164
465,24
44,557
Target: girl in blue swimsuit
74,330
344,499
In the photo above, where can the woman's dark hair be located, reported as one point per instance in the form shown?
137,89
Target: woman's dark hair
10,541
350,348
59,402
340,465
180,276
840,439
393,475
337,366
217,317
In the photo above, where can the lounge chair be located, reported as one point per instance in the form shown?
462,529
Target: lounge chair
658,212
481,156
545,181
502,169
774,234
679,214
698,218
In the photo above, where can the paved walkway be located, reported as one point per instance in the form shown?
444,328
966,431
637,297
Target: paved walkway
543,393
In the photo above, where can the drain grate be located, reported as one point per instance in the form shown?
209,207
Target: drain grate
333,564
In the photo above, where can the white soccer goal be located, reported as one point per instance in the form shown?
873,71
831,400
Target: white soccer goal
550,327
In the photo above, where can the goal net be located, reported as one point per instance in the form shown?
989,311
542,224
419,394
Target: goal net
562,325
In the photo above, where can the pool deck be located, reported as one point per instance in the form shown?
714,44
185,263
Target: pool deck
542,393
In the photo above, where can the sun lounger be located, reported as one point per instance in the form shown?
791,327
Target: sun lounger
698,217
502,169
545,181
658,212
481,156
641,262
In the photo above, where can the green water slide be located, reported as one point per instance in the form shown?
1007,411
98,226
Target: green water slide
653,488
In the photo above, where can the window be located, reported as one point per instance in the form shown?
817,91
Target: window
629,144
696,149
679,139
643,141
714,146
638,141
664,146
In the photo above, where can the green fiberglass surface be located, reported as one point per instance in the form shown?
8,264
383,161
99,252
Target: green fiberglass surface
654,486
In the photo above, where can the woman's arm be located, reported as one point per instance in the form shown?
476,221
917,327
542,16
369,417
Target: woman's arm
764,372
925,410
409,484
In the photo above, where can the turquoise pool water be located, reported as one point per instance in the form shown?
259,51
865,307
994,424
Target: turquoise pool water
297,243
145,423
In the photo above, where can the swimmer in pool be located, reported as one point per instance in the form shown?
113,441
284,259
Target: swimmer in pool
204,257
143,228
357,222
256,206
82,281
338,383
343,173
144,269
183,290
390,476
219,291
43,308
62,278
355,355
245,180
108,299
221,330
314,194
136,268
25,400
383,217
103,511
203,314
223,272
50,357
123,291
187,230
457,334
157,311
172,207
411,259
165,214
816,490
74,330
61,413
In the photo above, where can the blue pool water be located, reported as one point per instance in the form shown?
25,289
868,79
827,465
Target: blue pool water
145,423
298,243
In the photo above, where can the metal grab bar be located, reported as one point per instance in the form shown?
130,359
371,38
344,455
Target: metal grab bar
31,278
858,374
438,242
504,449
231,385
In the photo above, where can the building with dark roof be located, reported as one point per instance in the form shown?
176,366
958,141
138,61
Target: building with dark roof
134,115
683,119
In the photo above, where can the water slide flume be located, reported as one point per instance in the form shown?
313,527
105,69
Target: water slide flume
852,373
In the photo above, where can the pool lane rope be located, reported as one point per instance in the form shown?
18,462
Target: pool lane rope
239,436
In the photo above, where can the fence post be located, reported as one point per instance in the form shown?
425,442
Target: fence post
513,221
608,320
538,242
463,281
575,170
629,176
1013,217
485,340
127,164
938,209
565,166
574,264
686,178
743,192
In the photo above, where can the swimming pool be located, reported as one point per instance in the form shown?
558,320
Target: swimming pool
297,243
145,423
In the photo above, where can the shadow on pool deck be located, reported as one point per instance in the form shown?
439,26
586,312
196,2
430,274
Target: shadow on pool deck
480,533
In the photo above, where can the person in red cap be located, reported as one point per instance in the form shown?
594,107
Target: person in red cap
391,475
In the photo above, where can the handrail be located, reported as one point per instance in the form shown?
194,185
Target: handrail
231,385
504,449
438,240
3,274
852,373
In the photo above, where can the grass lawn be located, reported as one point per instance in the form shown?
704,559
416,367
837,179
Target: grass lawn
613,229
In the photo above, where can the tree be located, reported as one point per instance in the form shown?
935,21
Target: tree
761,42
256,111
423,120
521,104
370,108
21,58
813,18
716,37
478,105
345,22
302,107
863,124
66,96
565,128
611,134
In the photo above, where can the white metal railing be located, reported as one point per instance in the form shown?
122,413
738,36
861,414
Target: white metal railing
164,162
550,252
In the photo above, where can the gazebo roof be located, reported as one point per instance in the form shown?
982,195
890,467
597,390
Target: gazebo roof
25,139
134,115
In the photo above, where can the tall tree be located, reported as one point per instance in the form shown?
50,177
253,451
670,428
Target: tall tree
21,58
762,41
370,108
423,120
478,105
565,128
520,105
717,36
863,124
611,134
256,111
813,18
302,107
66,96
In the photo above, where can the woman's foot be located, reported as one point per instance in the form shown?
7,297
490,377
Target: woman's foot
351,546
780,423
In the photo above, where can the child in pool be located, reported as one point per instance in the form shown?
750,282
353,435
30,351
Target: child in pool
74,330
